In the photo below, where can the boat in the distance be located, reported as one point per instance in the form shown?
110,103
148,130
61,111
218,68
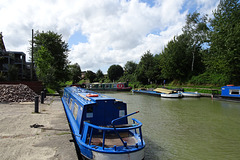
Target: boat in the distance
191,94
120,86
167,93
229,92
172,95
100,126
162,92
144,91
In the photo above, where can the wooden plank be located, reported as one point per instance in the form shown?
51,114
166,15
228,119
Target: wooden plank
163,90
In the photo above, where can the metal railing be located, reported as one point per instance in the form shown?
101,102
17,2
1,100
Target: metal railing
89,129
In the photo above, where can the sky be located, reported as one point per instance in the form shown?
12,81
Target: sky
99,33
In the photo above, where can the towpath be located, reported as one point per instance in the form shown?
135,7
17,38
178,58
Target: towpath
25,135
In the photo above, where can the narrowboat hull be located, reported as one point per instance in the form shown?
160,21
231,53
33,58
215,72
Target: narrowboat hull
226,98
125,156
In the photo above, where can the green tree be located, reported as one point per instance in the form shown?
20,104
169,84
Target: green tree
56,50
158,68
176,59
99,75
115,72
44,69
224,58
130,67
197,31
146,68
75,73
91,76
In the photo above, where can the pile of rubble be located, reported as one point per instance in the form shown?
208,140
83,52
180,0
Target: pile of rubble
16,93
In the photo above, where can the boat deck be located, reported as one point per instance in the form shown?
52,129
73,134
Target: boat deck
112,140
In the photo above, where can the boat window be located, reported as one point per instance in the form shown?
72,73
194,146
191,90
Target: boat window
236,92
89,112
121,113
70,104
67,97
75,110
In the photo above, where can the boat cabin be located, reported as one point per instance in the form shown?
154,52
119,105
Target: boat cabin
94,108
231,91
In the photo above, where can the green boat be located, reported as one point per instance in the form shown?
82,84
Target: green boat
120,86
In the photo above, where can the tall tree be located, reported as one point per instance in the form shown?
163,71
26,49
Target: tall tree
115,72
55,48
176,59
145,70
75,72
130,67
224,57
197,30
44,69
99,75
91,76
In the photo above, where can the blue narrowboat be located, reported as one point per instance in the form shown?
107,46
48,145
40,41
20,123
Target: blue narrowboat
231,91
100,126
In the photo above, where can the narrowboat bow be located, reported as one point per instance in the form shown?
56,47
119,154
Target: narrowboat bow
100,126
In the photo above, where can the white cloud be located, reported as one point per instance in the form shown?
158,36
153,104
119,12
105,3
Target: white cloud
117,30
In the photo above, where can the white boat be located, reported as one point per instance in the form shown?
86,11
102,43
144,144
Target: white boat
171,95
191,94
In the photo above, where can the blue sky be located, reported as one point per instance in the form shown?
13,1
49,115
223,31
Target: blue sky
100,33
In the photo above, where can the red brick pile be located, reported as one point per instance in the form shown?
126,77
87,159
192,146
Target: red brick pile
16,93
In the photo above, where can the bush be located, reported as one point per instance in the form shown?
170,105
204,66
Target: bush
207,78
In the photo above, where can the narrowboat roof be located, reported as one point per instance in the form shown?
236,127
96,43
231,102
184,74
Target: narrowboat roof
87,96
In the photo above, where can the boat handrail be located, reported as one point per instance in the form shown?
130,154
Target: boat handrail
135,125
117,119
88,126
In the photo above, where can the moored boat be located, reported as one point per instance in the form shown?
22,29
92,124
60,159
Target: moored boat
191,94
146,92
100,126
172,95
120,86
162,92
230,92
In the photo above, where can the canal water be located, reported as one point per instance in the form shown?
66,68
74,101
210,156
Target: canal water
186,128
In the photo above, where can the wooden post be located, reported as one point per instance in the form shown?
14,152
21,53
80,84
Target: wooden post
42,97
